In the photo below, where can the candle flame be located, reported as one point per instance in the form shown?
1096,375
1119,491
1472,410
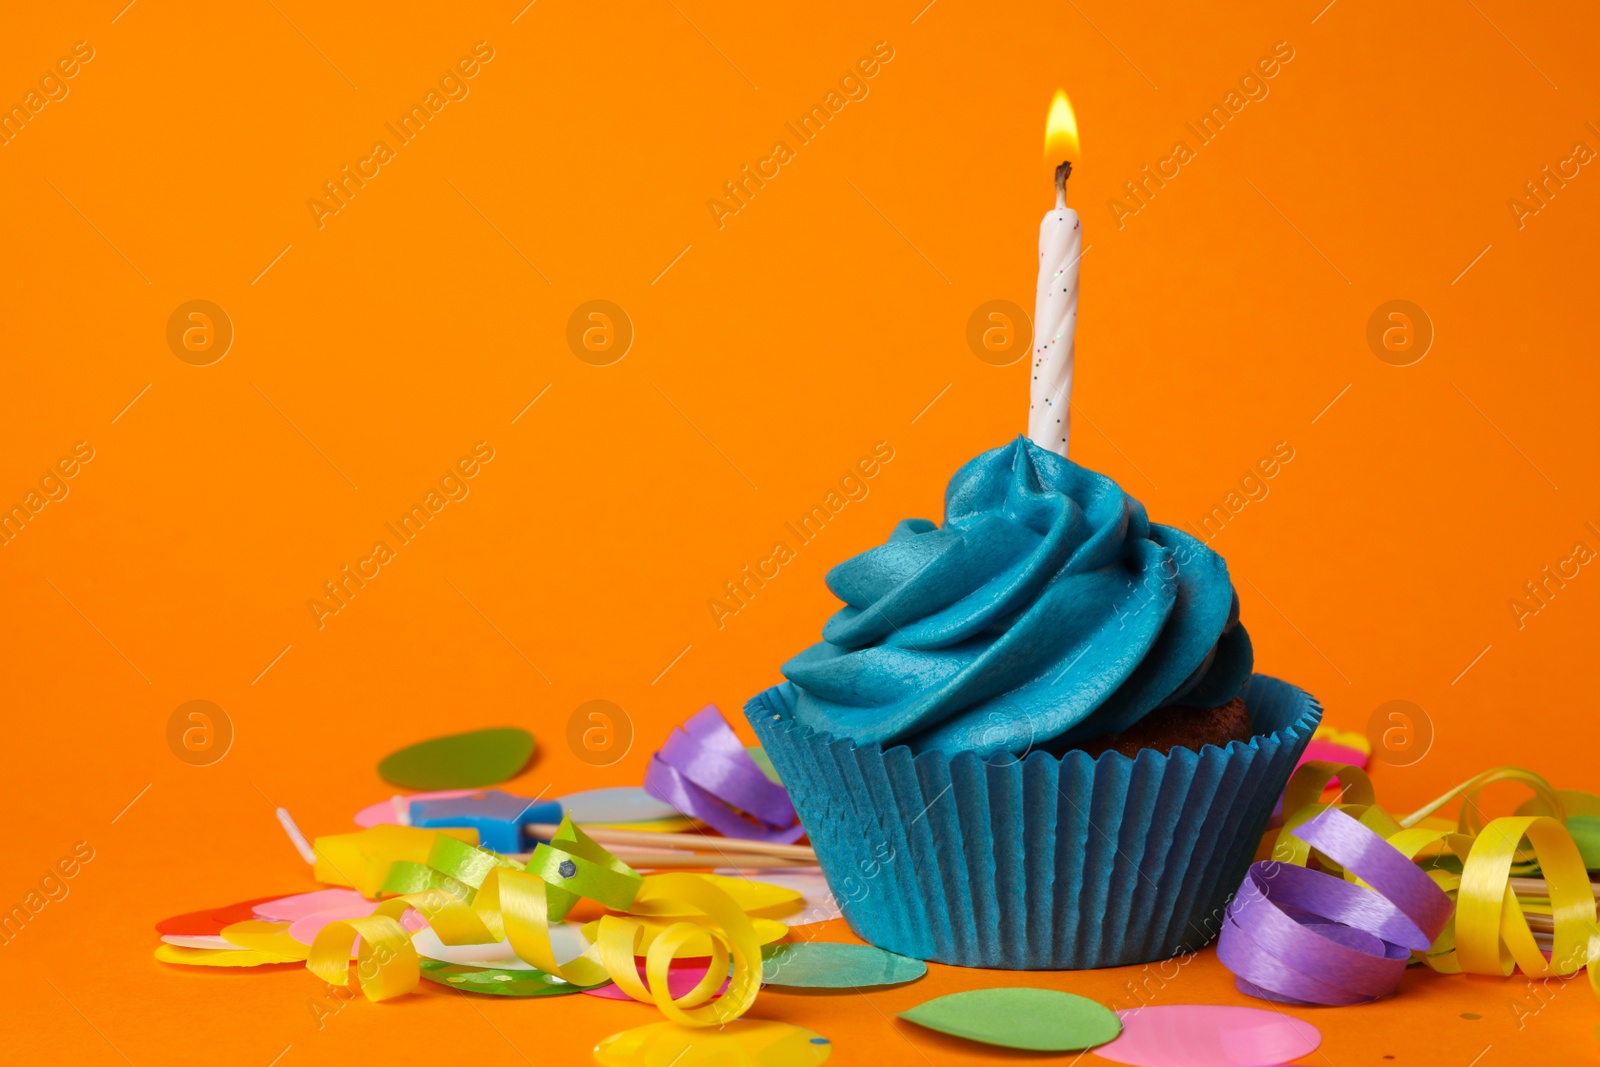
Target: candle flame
1061,130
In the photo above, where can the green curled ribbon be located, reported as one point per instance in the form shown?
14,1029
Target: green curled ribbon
574,866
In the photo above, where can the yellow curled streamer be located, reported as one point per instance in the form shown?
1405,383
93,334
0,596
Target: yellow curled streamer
1313,776
1471,819
1489,932
519,902
386,965
516,905
741,940
452,917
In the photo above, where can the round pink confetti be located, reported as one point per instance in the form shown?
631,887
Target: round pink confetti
306,929
290,909
681,977
1208,1035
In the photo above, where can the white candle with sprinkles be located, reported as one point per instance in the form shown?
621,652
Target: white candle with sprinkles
1055,316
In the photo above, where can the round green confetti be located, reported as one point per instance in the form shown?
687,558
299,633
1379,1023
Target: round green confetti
460,761
824,965
1040,1020
495,980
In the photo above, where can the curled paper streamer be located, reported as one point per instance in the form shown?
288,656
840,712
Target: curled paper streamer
1342,925
574,866
1303,937
386,964
703,770
485,898
1487,911
1490,933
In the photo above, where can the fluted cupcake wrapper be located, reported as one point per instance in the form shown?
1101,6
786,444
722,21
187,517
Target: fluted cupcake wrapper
1049,862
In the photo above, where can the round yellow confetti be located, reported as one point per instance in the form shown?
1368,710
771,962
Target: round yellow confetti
220,957
269,937
745,1042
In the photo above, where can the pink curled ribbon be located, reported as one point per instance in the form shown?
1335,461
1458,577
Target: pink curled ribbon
704,771
1299,936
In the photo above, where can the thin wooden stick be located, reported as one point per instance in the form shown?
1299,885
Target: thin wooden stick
804,853
665,860
660,861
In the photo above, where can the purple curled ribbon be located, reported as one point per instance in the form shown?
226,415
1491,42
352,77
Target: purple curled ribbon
704,771
1299,936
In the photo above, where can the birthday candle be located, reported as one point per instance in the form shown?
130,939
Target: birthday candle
1055,316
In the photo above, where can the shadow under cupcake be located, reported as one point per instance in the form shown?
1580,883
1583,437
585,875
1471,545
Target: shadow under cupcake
958,746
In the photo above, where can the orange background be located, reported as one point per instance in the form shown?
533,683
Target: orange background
821,319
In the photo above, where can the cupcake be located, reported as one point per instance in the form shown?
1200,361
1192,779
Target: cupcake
1032,737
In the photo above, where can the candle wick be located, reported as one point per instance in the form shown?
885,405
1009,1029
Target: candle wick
1063,172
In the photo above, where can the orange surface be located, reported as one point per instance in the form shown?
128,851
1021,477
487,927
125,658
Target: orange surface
770,354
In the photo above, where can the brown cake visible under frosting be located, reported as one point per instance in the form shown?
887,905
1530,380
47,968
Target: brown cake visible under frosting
1167,728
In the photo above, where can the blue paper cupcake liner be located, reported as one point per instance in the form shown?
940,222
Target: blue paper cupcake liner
1049,862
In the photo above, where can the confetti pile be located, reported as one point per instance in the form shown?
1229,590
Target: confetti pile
435,887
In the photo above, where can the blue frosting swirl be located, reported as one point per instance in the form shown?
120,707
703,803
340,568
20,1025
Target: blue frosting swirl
1047,608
